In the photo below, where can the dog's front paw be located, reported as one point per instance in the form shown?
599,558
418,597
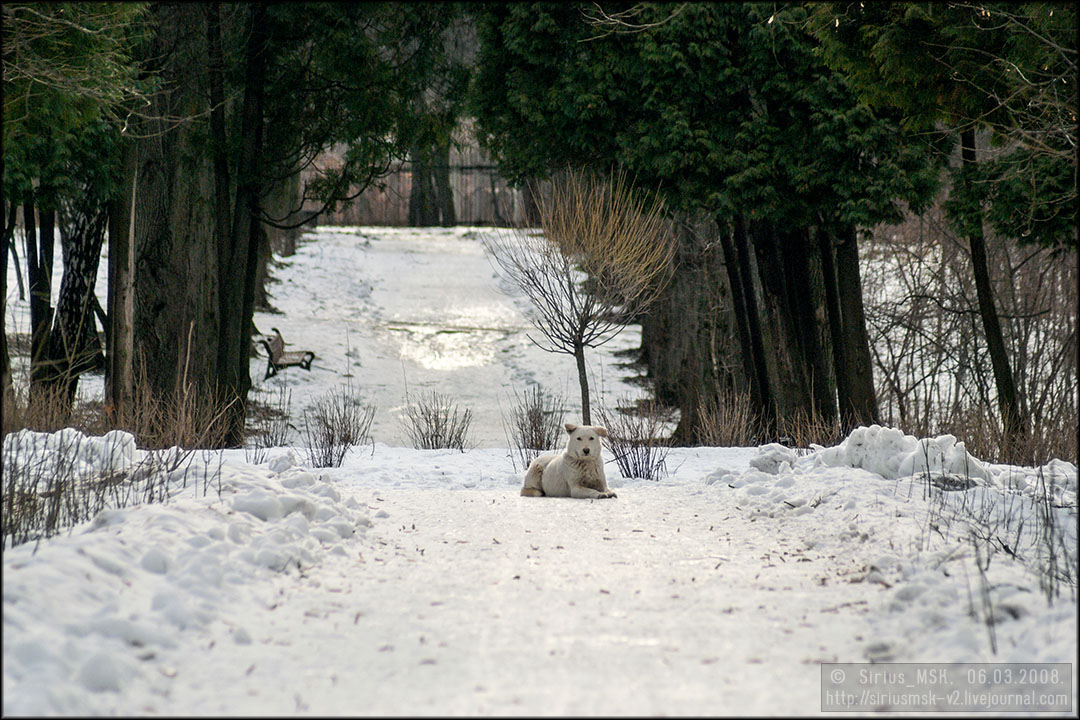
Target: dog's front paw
608,494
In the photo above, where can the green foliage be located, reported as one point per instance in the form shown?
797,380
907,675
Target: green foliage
723,107
1003,67
68,73
350,74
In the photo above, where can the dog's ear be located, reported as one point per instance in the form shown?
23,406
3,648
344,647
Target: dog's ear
601,431
570,427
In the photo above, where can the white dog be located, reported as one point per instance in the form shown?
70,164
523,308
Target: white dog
576,472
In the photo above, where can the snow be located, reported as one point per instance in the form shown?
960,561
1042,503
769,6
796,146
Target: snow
395,311
419,581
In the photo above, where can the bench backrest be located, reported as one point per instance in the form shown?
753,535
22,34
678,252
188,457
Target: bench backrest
276,345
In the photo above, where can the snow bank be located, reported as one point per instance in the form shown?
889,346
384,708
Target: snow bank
38,455
116,601
868,498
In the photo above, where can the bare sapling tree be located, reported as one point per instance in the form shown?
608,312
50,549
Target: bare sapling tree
603,255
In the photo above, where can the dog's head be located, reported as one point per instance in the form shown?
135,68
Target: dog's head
584,440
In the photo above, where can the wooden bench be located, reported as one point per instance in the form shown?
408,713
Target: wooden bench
278,358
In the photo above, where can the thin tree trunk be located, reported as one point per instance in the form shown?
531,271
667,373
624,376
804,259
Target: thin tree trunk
862,408
753,325
120,342
73,347
583,380
836,326
1014,425
444,193
7,391
39,254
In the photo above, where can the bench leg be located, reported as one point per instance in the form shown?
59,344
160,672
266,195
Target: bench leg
271,370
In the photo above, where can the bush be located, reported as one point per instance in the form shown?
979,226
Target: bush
728,420
268,426
534,425
435,422
338,421
634,437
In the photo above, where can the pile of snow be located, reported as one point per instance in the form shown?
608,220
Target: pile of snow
772,559
37,456
87,614
931,515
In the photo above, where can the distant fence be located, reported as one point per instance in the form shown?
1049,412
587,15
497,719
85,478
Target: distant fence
481,195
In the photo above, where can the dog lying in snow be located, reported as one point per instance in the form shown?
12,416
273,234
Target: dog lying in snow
578,471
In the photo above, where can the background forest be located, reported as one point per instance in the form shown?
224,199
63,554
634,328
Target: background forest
872,206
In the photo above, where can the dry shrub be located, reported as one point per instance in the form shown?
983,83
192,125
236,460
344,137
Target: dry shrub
728,420
801,429
635,436
931,364
436,422
269,425
534,425
604,254
338,421
64,478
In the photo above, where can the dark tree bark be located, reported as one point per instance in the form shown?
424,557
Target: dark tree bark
39,261
444,193
583,382
861,407
176,255
73,347
836,324
679,335
738,307
423,209
7,391
238,274
1013,421
218,145
120,339
753,318
801,305
792,385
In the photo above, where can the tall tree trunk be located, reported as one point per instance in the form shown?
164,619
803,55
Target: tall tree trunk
792,387
7,391
862,406
836,325
753,324
1014,425
74,347
176,254
583,381
444,192
423,211
238,274
738,305
794,250
39,267
120,342
219,147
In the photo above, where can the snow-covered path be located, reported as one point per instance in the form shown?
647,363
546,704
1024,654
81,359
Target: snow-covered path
480,601
420,582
